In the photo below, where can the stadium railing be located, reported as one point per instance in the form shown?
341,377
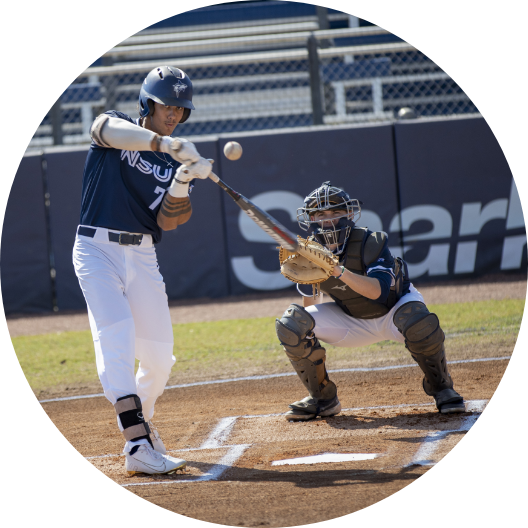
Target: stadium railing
242,82
229,41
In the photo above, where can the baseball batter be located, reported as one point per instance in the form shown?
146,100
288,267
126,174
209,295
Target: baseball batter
372,300
136,184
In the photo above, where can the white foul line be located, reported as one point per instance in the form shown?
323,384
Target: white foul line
432,440
285,374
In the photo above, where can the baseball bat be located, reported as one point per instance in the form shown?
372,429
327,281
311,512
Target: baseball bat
266,222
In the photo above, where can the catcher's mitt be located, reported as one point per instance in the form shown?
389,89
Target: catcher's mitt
311,264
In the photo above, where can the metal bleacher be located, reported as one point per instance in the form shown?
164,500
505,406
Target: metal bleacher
255,74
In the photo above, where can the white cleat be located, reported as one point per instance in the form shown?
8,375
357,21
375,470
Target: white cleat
148,460
155,438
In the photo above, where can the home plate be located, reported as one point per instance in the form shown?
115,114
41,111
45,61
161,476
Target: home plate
326,457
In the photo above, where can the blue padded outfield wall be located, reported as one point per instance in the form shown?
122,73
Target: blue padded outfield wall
441,189
25,265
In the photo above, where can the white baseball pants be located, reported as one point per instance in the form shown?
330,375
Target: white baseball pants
129,316
335,327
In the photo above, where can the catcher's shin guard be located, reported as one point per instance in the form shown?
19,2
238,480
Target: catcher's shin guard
425,341
307,357
130,412
438,383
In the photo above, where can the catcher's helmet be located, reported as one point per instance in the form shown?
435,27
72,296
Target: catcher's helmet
168,86
328,198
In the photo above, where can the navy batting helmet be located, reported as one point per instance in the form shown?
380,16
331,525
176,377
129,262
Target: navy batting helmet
167,86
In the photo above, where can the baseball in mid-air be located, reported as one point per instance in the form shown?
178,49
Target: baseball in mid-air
233,150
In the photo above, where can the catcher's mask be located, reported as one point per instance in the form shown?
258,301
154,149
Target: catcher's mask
329,198
167,86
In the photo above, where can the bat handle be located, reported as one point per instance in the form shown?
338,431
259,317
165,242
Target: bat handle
214,177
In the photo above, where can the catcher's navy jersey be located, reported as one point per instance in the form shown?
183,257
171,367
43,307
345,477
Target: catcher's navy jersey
383,270
123,189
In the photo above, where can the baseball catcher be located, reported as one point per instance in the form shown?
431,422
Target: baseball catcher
372,300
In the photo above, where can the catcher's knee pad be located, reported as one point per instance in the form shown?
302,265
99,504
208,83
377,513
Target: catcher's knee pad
294,330
130,412
420,328
307,356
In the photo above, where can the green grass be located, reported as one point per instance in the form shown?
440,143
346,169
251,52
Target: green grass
250,346
56,359
483,315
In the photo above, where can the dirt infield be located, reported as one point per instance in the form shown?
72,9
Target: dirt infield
237,443
232,433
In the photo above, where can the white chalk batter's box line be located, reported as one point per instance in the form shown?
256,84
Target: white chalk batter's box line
271,416
228,419
271,376
221,432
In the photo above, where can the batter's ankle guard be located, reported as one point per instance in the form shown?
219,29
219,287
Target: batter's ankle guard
130,412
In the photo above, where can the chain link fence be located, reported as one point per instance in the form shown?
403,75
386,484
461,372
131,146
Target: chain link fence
263,76
375,86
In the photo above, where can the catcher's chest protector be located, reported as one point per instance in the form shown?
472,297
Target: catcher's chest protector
350,301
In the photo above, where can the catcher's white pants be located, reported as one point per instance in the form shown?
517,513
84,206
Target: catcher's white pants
129,316
335,327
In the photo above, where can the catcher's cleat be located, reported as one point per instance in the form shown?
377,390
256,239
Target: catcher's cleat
309,408
144,459
449,401
155,439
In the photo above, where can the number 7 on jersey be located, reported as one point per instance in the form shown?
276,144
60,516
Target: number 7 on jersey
157,201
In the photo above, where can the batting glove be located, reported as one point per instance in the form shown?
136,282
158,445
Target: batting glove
180,149
201,170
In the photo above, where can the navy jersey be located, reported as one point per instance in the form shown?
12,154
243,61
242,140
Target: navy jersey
123,189
383,270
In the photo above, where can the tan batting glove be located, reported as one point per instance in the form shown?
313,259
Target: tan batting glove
179,149
179,187
201,170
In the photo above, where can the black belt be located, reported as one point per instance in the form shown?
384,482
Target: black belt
123,239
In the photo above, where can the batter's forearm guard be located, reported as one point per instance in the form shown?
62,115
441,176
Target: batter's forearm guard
130,412
113,132
96,130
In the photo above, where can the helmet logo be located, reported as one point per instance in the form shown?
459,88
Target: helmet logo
179,87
